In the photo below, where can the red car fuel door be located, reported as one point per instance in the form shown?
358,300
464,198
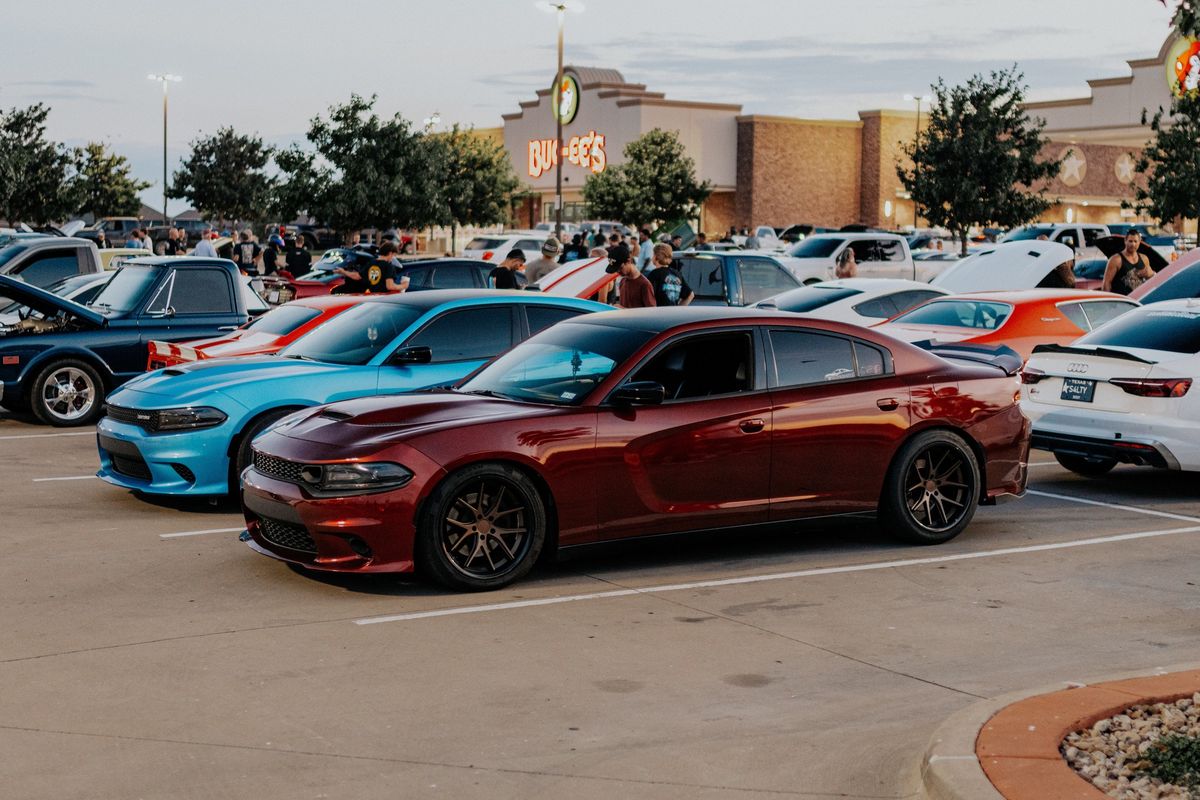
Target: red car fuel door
839,414
699,460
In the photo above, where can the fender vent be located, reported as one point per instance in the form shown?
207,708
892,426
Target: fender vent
339,416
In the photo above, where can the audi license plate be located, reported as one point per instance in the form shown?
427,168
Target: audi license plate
1078,390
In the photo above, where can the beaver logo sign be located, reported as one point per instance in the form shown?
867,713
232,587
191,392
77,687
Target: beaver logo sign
564,102
1183,66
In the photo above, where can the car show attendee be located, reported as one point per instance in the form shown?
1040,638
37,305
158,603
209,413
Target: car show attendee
247,254
378,277
545,264
846,267
271,254
147,242
1128,269
576,249
636,290
102,240
204,247
135,239
298,259
670,288
752,242
646,253
677,241
504,276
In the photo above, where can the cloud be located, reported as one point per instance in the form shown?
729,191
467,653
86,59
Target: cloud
80,96
64,83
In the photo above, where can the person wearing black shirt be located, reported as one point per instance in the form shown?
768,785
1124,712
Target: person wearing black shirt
505,275
298,259
670,288
246,254
270,255
374,277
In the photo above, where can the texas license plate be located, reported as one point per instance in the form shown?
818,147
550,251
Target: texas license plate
1078,390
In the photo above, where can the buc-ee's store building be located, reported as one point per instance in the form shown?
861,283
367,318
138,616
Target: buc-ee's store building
775,170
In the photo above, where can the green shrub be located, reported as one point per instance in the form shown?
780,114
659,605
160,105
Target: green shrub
1176,759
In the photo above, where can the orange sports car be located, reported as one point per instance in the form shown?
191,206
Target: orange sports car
1019,319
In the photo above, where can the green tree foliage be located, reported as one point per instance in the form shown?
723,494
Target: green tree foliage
977,161
1186,18
477,179
105,186
1170,162
37,176
656,183
225,178
363,171
1175,759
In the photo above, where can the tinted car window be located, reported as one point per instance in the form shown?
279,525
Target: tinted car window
468,335
452,276
913,297
868,360
702,366
1068,238
761,278
127,288
1174,331
1101,311
890,250
1074,312
354,336
283,320
49,268
815,248
542,317
1090,235
877,308
201,291
958,314
1185,283
530,247
706,276
864,250
803,358
418,277
1029,233
809,298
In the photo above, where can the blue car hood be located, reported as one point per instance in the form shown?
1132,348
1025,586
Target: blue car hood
239,377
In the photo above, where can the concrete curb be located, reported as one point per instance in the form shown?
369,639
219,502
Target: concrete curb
950,768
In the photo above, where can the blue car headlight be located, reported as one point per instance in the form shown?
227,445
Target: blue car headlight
364,477
186,419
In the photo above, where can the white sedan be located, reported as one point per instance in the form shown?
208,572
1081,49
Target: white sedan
859,301
1121,394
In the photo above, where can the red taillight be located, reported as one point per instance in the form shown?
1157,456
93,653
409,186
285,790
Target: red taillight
1154,387
1031,375
487,255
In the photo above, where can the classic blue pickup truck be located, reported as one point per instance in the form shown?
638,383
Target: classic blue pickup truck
60,359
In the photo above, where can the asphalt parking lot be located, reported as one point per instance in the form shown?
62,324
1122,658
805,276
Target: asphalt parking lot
146,653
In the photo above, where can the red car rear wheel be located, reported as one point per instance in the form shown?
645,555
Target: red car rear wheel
931,490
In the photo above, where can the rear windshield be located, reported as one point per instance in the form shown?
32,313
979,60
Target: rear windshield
484,243
958,314
809,298
1028,233
814,248
1183,284
1173,331
283,320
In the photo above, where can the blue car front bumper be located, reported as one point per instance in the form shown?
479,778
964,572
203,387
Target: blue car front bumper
179,463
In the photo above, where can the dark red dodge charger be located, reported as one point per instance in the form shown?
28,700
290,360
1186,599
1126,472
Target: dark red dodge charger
640,423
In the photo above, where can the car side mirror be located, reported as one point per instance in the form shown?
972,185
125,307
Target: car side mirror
418,354
639,393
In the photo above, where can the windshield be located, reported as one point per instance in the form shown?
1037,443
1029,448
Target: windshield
283,320
808,298
814,247
8,253
1029,233
560,366
484,243
958,314
1174,331
125,290
355,336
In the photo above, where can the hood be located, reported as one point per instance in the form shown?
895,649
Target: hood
46,303
382,419
1111,245
581,278
239,343
191,383
1003,267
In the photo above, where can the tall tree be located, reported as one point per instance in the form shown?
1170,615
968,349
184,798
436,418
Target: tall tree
477,180
656,183
1170,162
105,186
225,178
978,161
37,176
362,171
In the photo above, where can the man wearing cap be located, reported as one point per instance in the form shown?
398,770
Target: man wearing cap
636,290
541,267
505,275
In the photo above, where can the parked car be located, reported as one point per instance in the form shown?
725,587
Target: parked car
607,227
1020,319
569,228
878,255
79,289
116,229
62,360
859,301
314,237
1080,237
187,430
640,423
43,260
1121,394
738,278
262,336
423,273
192,228
1005,266
1180,279
1164,242
113,258
494,248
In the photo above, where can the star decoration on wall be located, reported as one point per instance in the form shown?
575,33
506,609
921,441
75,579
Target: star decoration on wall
1074,167
1124,168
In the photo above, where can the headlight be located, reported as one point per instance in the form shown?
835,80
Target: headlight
335,478
184,419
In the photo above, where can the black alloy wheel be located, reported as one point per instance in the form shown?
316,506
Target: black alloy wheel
932,488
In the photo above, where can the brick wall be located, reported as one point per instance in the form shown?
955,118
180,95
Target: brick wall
883,135
718,213
797,171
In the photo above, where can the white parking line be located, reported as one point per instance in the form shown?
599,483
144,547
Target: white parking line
199,533
1043,464
67,478
776,576
45,435
1119,506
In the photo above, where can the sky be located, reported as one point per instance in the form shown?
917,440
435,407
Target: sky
269,66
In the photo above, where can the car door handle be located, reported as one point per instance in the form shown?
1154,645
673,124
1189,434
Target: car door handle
751,425
888,404
228,328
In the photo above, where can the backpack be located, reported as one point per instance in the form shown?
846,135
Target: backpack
672,287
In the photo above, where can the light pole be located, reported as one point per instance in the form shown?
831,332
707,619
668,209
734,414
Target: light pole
432,122
919,98
165,79
559,7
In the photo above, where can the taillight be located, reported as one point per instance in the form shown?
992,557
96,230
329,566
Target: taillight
1154,387
487,255
1032,375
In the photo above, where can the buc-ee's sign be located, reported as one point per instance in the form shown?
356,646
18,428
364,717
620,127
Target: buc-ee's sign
583,151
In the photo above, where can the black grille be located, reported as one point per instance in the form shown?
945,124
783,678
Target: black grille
184,472
279,468
143,419
133,467
283,534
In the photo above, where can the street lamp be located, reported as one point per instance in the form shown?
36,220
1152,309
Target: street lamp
165,79
432,122
560,8
919,98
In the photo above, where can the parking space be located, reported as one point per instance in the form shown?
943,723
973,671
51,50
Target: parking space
148,653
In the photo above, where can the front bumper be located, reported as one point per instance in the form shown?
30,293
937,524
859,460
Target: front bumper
191,463
358,533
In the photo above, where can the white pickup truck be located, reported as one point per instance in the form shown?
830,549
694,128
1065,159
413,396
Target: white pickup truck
877,255
44,260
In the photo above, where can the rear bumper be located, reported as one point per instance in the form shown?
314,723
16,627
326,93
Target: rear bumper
1164,441
1147,453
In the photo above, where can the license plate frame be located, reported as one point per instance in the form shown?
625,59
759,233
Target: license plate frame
1078,390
